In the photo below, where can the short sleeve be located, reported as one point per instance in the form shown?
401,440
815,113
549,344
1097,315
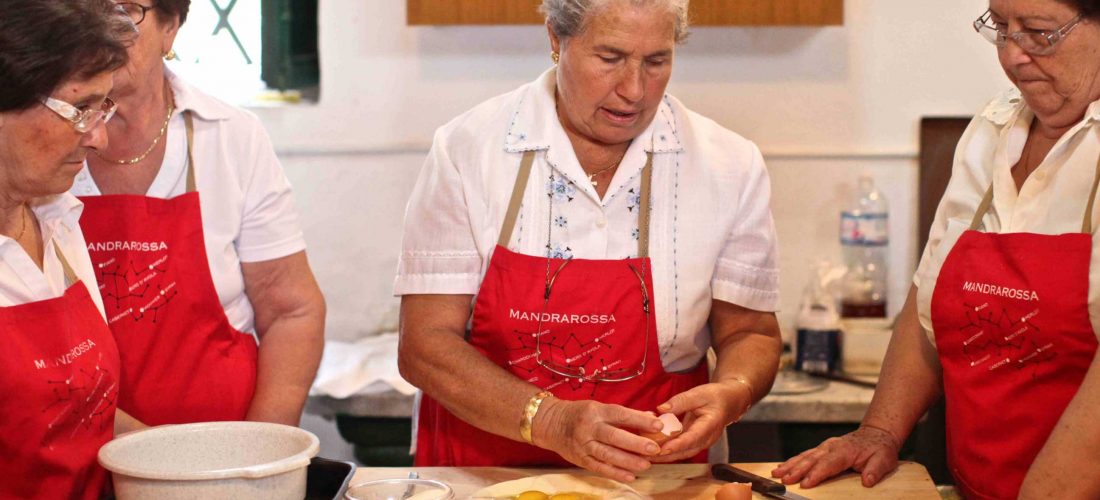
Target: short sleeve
439,253
747,273
270,228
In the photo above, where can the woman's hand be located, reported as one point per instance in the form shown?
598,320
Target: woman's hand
591,435
869,450
706,411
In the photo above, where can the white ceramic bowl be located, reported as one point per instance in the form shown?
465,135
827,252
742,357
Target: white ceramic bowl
239,460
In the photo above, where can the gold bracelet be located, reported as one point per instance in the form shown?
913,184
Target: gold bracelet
752,393
529,412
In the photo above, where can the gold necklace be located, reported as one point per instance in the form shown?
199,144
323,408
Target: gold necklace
602,170
23,219
142,156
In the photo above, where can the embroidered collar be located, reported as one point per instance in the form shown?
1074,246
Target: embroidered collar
535,125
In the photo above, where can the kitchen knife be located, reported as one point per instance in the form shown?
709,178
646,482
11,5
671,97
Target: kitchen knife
764,486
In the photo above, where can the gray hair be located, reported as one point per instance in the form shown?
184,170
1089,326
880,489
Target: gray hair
567,17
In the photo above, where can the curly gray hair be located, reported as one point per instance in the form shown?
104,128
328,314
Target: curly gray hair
567,17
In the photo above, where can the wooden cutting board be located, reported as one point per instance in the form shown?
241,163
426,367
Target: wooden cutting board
679,482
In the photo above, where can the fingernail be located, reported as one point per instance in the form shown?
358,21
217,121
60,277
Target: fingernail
658,425
652,449
870,479
630,478
666,452
664,407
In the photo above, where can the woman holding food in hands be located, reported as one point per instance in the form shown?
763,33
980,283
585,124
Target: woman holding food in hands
1003,313
610,236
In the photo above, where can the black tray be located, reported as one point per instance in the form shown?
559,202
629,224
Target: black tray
328,479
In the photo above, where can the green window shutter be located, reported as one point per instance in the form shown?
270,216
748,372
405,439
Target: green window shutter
290,59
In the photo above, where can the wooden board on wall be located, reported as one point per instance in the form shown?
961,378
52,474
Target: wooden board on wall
703,12
938,138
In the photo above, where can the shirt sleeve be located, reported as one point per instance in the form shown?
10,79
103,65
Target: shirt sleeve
270,228
439,253
747,273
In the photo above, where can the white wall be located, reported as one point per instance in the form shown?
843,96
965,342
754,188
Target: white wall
824,104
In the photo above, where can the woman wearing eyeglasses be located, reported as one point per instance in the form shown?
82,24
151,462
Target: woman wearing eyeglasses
631,233
1003,314
59,371
192,228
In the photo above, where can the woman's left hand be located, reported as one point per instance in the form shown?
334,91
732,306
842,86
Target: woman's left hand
705,411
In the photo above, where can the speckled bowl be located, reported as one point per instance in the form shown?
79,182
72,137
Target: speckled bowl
239,460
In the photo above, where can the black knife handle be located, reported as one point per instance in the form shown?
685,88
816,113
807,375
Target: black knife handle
730,474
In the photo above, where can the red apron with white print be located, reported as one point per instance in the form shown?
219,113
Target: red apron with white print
59,379
181,359
1011,319
577,317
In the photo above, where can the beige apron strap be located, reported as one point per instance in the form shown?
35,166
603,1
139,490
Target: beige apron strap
1086,224
189,121
70,275
1086,220
643,213
517,198
983,208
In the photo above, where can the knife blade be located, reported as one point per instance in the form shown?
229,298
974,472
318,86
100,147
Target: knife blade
764,486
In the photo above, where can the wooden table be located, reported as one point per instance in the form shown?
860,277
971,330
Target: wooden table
679,482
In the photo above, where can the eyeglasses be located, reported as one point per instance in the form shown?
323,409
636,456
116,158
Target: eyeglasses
82,120
1034,42
136,11
577,367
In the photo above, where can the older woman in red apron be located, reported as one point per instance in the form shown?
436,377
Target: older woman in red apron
1008,289
610,236
59,372
192,228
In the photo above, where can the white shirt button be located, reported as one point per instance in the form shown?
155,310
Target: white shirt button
601,222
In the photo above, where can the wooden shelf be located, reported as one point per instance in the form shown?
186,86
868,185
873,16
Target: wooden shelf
703,12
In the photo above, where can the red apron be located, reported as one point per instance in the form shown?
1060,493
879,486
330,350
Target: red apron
181,359
1011,319
60,384
595,319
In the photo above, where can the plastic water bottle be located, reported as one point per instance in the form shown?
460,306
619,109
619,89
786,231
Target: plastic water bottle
864,240
819,335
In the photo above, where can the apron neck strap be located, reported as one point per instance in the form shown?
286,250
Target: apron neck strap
643,209
70,275
189,122
521,185
517,198
1086,220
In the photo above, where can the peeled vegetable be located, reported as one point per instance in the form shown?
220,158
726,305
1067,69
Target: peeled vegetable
672,428
533,495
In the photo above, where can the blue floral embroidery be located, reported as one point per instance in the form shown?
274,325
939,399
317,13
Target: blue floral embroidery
633,200
557,252
561,221
560,189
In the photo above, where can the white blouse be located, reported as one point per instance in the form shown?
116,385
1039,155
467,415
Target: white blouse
1051,201
22,282
248,211
712,235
